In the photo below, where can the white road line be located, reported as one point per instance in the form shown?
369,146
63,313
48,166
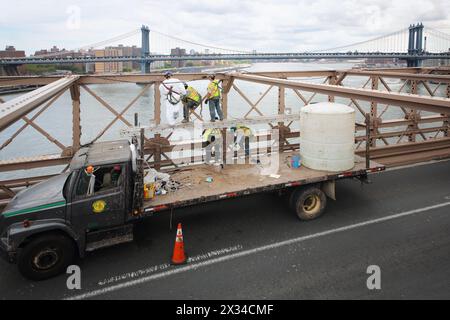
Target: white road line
414,165
249,252
164,266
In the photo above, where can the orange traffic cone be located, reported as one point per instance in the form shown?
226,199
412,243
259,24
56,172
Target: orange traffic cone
179,257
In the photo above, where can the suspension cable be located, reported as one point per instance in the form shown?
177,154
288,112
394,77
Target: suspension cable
364,42
198,44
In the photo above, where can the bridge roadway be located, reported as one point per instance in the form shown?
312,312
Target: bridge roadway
239,251
257,56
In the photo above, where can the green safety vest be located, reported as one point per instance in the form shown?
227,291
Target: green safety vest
193,95
246,130
213,89
211,132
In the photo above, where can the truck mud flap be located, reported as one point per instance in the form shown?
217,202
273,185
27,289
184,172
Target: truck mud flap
329,188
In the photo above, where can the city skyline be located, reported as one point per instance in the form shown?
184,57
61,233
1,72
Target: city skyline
128,50
102,67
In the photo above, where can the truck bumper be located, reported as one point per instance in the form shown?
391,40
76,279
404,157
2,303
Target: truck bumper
5,251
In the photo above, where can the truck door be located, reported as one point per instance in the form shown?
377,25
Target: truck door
98,198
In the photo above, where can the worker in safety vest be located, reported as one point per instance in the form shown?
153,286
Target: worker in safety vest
213,98
213,140
191,100
242,136
172,90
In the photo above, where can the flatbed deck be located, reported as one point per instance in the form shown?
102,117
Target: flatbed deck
243,179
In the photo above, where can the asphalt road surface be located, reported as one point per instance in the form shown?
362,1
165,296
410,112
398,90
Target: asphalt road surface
256,248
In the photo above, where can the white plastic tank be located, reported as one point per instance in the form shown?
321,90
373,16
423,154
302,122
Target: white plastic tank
327,136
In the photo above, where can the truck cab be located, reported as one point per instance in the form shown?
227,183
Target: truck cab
46,226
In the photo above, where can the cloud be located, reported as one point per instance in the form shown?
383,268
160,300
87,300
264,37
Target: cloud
264,25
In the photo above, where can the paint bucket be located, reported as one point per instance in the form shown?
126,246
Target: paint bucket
152,190
146,193
295,162
149,191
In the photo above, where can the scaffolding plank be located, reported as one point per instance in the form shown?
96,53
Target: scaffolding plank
226,123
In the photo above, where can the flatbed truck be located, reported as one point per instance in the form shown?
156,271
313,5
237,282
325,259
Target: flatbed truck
48,225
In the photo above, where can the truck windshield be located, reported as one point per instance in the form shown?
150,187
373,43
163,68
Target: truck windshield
66,184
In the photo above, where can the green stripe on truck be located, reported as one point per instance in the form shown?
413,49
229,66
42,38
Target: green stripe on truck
33,209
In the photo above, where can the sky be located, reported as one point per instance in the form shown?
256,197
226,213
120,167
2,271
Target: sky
264,25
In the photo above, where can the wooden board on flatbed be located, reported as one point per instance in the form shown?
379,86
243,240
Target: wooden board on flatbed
242,179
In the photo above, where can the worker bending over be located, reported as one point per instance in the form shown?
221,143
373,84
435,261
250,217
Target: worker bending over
213,98
191,100
242,136
213,141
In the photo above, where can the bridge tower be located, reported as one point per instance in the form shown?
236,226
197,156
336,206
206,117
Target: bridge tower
415,44
419,38
145,49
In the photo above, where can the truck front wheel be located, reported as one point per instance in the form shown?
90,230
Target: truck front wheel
309,203
46,256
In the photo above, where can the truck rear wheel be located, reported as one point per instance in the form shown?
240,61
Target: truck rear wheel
309,202
45,257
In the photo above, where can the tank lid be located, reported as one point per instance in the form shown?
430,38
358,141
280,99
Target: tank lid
327,108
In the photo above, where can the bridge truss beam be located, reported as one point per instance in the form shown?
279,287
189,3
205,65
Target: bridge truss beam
260,56
397,99
15,109
431,92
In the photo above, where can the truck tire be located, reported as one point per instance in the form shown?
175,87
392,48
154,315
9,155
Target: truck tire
309,202
46,256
